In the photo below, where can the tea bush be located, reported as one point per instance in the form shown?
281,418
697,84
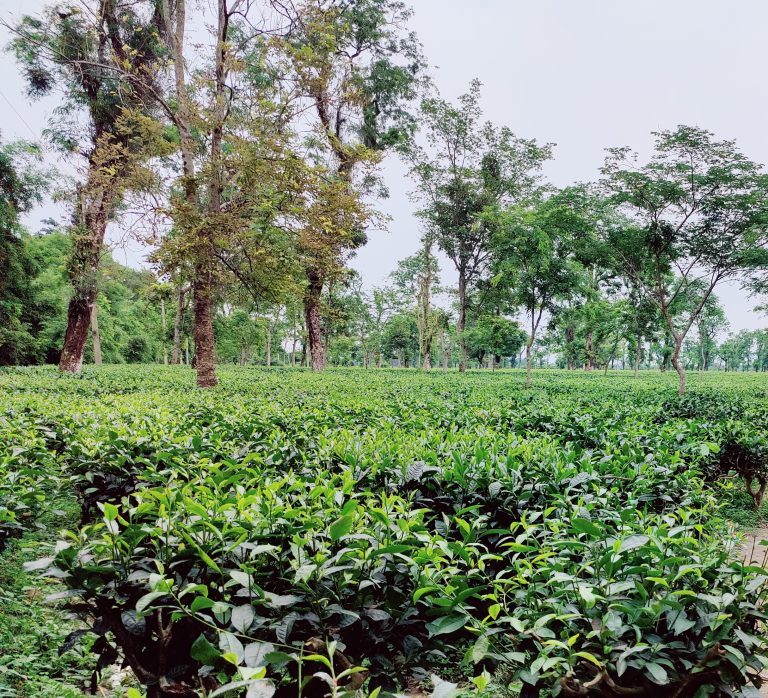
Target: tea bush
297,534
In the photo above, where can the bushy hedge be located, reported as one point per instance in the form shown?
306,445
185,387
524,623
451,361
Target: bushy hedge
364,529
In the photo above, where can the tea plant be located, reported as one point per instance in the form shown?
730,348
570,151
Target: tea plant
294,534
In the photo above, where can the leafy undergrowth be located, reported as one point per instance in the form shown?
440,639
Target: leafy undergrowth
47,651
33,630
357,533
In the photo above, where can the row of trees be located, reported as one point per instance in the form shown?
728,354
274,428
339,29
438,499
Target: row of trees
248,161
138,319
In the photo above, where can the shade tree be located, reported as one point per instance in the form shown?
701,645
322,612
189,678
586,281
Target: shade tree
465,168
700,209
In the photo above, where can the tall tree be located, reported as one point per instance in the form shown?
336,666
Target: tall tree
700,209
357,67
466,168
533,258
105,54
416,280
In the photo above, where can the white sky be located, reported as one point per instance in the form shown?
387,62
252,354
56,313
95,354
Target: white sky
585,75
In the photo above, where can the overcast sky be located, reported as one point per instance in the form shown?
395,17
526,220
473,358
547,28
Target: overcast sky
585,75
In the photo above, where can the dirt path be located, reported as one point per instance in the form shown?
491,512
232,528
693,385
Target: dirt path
752,550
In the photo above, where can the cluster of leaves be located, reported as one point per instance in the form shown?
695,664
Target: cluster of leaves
355,531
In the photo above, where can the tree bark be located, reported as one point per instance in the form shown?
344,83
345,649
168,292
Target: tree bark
462,322
94,206
528,363
312,298
96,335
165,330
205,343
637,357
678,366
176,357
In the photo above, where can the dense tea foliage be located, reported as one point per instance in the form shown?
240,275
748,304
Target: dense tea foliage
354,531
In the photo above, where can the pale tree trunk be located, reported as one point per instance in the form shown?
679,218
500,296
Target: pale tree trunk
462,322
528,362
96,335
638,349
535,320
176,357
269,345
678,366
165,331
427,361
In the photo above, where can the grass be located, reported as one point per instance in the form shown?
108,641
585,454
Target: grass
740,510
32,629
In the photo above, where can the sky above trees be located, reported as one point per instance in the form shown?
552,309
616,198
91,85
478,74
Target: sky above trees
585,76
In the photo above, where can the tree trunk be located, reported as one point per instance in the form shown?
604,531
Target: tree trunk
96,335
269,347
78,321
462,321
427,361
637,356
312,298
95,203
588,352
165,331
678,366
570,334
205,342
180,308
294,339
528,363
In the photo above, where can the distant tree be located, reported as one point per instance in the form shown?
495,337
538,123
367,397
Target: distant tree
711,321
401,337
533,258
416,280
700,210
21,186
469,167
496,336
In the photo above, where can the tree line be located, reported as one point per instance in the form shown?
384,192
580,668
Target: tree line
248,161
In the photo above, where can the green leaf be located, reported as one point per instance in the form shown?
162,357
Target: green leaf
204,652
657,673
341,527
590,658
586,526
480,649
110,511
147,599
446,624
